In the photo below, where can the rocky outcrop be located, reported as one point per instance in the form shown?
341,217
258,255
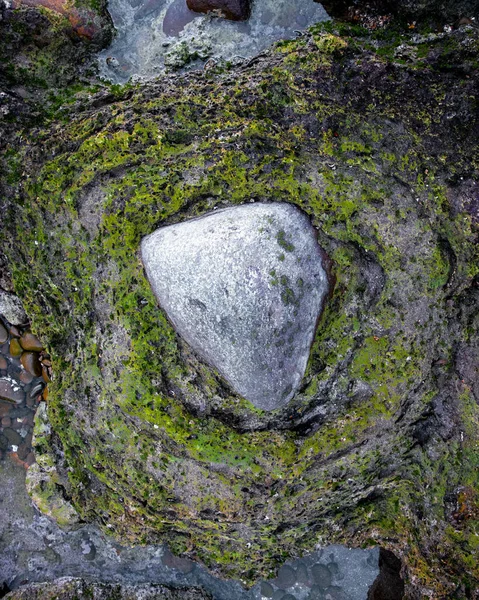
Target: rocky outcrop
374,138
236,10
69,588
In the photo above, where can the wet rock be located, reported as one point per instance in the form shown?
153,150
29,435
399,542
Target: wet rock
266,589
321,575
11,391
177,17
30,342
25,377
244,287
11,308
236,10
15,348
13,437
302,573
31,363
286,577
177,562
148,8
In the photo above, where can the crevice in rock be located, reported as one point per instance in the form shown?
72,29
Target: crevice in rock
389,584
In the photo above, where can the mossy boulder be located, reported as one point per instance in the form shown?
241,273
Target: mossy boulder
379,446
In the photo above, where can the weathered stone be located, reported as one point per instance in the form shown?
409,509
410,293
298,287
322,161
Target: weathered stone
236,10
11,391
11,308
30,342
244,287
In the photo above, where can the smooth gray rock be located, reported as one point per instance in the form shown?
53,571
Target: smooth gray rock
244,286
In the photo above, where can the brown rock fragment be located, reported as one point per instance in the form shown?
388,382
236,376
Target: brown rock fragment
15,348
31,363
30,342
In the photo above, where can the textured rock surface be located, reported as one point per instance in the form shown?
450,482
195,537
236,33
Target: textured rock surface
374,136
69,588
236,10
11,308
244,287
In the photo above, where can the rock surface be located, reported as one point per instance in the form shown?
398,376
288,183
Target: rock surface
69,588
244,287
236,10
11,308
374,136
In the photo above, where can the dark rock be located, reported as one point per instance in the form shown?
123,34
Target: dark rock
321,575
236,10
13,437
389,584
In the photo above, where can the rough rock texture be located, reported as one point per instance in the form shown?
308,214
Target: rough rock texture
242,294
69,588
436,11
374,136
11,308
236,10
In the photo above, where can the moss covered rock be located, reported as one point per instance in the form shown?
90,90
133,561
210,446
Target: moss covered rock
379,446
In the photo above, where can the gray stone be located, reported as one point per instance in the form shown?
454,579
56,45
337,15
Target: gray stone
244,286
11,391
11,308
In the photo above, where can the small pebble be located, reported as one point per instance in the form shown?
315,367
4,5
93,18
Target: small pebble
6,422
3,334
31,363
15,348
3,363
26,377
14,331
31,343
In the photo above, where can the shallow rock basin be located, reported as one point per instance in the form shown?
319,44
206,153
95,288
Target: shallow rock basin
244,286
158,35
